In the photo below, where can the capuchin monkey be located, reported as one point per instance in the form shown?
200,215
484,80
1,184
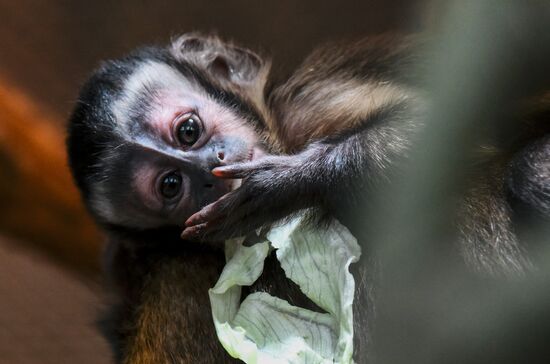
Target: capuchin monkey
159,140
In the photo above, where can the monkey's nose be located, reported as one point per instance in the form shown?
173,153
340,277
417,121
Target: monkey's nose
221,156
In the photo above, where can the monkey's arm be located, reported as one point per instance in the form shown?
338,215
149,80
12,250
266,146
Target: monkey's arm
334,171
350,111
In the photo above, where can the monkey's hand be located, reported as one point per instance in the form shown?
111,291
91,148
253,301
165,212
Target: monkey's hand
272,188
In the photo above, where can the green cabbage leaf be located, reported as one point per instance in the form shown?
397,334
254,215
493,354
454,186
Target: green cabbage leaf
266,329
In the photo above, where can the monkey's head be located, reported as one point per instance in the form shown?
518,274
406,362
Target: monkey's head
148,129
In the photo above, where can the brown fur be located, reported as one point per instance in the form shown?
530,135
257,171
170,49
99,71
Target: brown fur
163,333
338,87
165,310
339,90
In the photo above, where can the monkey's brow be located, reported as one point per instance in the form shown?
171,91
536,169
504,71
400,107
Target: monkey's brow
223,96
144,95
140,107
150,90
150,145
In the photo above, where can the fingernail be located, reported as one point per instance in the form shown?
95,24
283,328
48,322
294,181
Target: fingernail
218,172
185,234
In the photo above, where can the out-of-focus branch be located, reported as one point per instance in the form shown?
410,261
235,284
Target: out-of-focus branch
39,203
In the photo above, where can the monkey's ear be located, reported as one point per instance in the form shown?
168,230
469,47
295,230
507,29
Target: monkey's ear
237,64
223,60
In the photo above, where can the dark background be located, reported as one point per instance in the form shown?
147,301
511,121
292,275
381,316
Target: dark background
49,249
49,47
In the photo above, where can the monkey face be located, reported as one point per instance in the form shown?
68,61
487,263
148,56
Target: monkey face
171,134
149,128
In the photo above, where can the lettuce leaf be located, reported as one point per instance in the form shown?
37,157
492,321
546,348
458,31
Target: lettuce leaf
267,329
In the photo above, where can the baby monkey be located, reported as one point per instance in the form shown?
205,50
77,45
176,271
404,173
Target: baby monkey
160,135
158,139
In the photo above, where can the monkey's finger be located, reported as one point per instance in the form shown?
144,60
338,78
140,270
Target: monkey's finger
240,170
219,209
224,231
209,212
235,224
193,231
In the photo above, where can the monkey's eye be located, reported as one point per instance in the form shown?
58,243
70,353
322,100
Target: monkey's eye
189,130
170,185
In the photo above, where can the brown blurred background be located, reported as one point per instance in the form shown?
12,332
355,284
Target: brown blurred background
49,249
